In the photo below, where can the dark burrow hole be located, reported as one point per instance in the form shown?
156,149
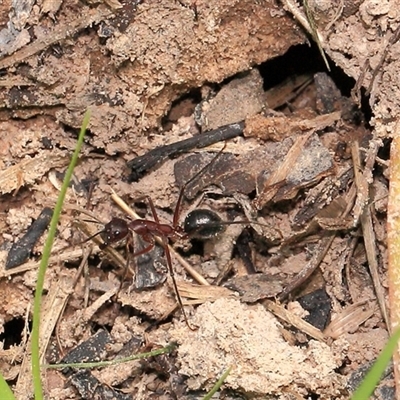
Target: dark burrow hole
298,60
197,247
306,59
302,59
13,332
182,107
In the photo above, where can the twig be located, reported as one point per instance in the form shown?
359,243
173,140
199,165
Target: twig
368,230
311,266
294,320
144,163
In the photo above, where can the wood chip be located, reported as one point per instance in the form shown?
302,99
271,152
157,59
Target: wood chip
27,172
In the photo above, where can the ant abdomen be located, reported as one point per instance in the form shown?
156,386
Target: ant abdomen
203,224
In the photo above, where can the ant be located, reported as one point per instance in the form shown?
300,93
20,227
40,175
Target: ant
200,222
150,231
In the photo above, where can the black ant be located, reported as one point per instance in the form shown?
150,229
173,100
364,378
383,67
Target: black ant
202,223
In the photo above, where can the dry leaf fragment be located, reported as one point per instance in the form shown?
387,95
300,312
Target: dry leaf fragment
30,170
256,286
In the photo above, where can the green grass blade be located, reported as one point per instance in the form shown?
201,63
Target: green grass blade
38,390
217,386
371,380
5,391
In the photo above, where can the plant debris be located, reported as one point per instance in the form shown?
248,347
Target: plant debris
290,290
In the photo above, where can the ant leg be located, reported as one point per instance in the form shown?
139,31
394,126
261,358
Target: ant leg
153,210
177,212
128,245
182,190
129,256
171,273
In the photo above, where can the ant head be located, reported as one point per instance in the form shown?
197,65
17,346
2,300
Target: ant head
114,231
